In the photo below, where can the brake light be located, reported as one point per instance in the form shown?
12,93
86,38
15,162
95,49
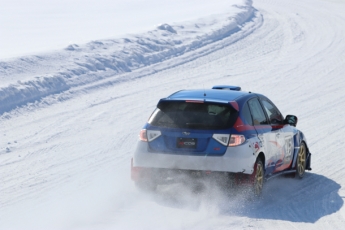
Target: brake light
194,101
142,135
236,140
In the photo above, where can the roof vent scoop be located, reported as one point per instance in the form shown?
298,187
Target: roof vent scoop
227,87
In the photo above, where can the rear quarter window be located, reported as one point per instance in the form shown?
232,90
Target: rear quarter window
246,114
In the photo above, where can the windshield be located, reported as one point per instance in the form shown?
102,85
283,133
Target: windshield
181,114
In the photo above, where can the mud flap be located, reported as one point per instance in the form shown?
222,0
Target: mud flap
308,162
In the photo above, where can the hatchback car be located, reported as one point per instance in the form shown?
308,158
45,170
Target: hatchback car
221,131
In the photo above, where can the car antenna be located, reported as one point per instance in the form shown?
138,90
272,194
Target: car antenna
204,90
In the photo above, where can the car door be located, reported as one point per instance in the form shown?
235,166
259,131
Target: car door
283,136
263,128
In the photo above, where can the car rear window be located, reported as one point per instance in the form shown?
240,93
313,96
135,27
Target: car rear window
181,114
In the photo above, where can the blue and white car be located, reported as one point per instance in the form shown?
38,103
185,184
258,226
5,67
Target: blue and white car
221,131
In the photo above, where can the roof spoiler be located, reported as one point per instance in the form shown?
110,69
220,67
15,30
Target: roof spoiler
227,87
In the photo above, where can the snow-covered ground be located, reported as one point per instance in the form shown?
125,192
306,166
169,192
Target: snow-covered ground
70,118
36,26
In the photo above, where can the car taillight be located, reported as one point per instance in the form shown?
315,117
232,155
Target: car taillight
221,138
236,140
149,135
153,134
142,135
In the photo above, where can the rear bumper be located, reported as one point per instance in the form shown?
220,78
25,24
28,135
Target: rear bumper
240,159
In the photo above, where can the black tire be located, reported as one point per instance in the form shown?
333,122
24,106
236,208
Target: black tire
301,161
258,177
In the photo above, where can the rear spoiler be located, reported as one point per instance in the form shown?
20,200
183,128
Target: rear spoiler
227,87
233,104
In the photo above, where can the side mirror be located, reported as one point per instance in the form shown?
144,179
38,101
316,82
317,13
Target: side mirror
291,120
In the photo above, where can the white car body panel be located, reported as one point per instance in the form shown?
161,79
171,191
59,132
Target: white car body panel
239,159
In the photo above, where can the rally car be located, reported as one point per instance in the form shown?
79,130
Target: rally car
223,131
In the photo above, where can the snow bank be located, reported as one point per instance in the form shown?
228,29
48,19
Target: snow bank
30,78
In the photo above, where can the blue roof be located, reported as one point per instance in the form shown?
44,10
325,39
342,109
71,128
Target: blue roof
211,95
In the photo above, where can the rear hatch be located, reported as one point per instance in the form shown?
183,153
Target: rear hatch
191,127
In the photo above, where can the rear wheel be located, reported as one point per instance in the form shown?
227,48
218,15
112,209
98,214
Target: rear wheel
301,161
258,177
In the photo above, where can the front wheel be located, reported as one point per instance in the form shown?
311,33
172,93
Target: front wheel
301,161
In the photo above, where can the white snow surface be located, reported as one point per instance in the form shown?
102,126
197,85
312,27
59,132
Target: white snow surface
29,78
35,26
70,118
